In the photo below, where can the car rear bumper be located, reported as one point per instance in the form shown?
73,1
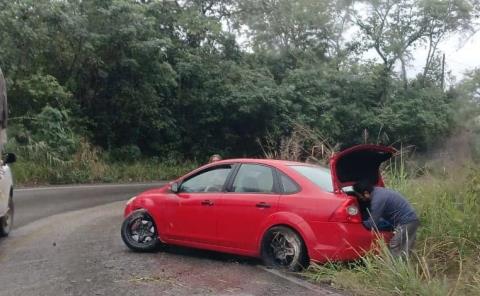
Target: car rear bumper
343,241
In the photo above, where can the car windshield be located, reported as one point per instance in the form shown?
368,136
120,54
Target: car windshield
319,175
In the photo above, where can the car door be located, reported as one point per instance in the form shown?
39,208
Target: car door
250,198
193,214
4,189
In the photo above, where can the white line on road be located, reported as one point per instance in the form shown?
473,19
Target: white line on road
90,186
302,283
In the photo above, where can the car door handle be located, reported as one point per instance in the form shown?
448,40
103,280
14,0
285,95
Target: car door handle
263,205
207,203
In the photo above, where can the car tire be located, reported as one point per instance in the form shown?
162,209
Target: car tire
283,248
139,232
6,221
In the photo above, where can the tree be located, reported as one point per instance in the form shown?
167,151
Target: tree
393,28
444,18
176,79
287,25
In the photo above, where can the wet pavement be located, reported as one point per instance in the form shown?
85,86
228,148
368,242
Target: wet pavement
81,253
35,203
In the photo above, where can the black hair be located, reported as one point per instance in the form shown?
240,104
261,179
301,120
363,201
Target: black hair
362,186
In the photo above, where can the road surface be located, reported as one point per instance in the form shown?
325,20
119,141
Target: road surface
32,204
67,242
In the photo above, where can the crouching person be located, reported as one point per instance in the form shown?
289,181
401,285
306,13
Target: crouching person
390,206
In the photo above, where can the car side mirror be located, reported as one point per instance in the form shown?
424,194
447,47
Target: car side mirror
174,187
9,158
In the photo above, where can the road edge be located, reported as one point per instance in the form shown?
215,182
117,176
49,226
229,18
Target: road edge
300,282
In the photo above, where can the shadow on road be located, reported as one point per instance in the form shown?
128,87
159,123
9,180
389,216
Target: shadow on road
210,255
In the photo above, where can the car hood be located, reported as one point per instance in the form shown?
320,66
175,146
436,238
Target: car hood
155,191
359,163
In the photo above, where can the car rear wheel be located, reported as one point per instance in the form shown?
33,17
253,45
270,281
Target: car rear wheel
6,221
139,232
283,248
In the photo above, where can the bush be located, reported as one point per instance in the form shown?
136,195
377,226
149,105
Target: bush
36,92
127,153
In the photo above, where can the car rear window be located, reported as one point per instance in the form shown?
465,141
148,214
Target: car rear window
319,175
288,185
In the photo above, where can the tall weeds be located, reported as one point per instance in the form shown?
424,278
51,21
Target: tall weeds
37,164
302,144
382,274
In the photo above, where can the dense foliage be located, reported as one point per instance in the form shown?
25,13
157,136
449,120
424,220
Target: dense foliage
183,79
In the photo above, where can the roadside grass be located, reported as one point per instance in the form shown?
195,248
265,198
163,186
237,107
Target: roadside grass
89,165
27,173
380,274
447,256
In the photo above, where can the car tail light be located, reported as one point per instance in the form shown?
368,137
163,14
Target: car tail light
347,212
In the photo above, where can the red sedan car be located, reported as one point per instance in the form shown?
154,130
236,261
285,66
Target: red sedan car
282,211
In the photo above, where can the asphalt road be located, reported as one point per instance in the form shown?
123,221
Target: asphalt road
66,241
32,204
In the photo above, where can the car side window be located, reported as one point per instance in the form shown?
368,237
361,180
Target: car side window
253,178
211,180
288,185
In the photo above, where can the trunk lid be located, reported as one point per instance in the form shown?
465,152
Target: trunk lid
358,163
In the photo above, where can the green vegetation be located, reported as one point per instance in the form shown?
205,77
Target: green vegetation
39,165
28,173
185,79
49,152
447,256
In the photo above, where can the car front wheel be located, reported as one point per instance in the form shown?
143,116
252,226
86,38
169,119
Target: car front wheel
6,221
139,232
283,248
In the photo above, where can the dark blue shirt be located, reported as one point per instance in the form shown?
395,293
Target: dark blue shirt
391,206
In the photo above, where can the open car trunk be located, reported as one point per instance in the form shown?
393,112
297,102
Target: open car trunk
361,162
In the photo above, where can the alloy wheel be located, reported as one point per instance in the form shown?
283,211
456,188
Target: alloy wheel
142,230
139,232
284,249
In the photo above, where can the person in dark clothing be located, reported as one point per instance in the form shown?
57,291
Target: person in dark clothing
390,207
364,206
